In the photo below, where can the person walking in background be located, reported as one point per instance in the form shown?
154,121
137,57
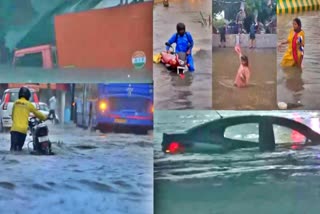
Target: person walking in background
240,19
53,107
252,35
223,36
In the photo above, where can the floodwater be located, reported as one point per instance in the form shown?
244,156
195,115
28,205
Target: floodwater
194,91
261,92
241,181
36,74
90,173
296,87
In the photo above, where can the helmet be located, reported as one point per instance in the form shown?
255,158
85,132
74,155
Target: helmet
24,92
181,26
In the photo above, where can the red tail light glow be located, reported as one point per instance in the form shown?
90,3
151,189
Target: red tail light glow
36,100
6,101
174,147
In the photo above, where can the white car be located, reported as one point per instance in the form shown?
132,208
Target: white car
6,105
44,109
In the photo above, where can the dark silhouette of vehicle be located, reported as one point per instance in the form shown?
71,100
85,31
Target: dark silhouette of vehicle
214,137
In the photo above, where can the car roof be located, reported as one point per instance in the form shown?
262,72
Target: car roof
17,90
223,123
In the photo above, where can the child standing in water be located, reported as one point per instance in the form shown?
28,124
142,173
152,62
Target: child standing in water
295,50
243,74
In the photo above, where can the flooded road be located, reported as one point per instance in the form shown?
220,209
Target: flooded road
260,94
293,86
285,181
36,74
194,91
90,173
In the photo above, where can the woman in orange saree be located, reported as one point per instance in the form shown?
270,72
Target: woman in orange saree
294,54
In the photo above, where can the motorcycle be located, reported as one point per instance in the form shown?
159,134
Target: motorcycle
175,61
40,139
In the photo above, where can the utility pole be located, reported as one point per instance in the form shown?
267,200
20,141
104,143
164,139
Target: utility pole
72,101
84,103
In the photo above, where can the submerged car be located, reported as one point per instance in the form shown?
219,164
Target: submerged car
226,134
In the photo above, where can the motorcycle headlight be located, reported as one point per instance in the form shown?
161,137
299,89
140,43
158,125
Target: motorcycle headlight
181,62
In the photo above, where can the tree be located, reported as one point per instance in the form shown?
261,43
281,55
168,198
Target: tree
252,7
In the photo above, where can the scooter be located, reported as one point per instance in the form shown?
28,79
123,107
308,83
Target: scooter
175,61
40,139
166,3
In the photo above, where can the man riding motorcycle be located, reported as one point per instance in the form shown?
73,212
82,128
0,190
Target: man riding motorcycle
20,115
184,43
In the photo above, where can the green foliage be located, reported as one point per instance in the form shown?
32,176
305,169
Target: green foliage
231,8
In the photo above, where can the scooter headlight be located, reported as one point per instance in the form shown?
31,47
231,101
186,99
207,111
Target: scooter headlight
181,62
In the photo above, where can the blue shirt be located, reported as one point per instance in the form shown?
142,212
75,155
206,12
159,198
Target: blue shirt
183,43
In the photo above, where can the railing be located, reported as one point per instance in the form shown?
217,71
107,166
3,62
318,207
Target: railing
296,6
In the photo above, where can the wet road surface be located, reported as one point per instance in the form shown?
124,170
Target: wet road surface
90,173
194,91
261,92
285,181
294,86
36,74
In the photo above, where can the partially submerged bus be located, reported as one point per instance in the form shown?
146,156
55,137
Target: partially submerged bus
116,106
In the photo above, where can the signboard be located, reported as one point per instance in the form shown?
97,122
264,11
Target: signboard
139,59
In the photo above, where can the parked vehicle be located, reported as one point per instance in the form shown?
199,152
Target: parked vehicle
117,107
45,54
6,105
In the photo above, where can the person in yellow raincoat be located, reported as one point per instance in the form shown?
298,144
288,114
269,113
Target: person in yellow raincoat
294,54
20,119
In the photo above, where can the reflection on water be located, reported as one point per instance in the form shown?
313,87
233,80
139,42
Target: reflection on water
285,181
296,86
261,93
193,91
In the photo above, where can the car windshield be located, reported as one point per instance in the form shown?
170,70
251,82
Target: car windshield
44,107
13,96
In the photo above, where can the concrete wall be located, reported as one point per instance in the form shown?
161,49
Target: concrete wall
262,40
295,6
105,38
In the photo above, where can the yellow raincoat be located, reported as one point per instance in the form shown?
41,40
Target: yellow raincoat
288,58
20,115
